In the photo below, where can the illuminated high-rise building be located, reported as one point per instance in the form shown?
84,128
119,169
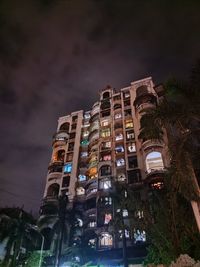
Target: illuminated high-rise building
93,149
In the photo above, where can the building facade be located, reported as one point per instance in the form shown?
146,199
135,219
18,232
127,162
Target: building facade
94,149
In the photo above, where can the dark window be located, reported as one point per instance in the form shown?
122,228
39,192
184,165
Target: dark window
75,118
69,157
105,170
74,126
142,90
117,106
127,112
134,176
71,147
55,168
105,113
64,126
66,180
106,95
117,97
132,162
127,103
72,135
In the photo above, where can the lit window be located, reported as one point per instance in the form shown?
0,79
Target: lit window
85,134
154,161
121,177
157,185
107,157
93,172
80,222
108,218
105,132
106,240
125,213
119,149
92,224
139,236
92,191
127,234
104,123
84,142
84,154
92,243
85,125
129,124
105,184
126,94
119,137
80,191
106,145
107,201
120,162
68,168
118,116
130,135
82,177
87,116
139,214
131,147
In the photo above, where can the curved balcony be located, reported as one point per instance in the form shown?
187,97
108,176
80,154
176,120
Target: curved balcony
93,145
94,126
105,104
91,193
155,179
91,211
54,176
151,143
94,136
60,138
55,167
93,164
118,126
95,110
145,101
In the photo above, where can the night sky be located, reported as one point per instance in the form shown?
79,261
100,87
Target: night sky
56,55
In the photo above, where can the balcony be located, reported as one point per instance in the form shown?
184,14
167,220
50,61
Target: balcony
154,178
151,143
54,176
145,101
60,138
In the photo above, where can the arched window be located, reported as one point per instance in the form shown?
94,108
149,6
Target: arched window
120,162
119,149
80,191
142,90
105,170
64,126
118,136
60,155
117,106
154,161
106,95
121,177
106,240
53,190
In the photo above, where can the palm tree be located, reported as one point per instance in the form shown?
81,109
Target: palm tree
178,114
125,199
61,219
17,230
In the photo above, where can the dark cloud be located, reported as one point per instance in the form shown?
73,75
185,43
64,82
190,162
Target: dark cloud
56,55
